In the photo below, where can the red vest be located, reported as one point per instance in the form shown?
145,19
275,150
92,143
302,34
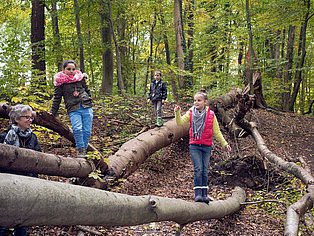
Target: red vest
207,134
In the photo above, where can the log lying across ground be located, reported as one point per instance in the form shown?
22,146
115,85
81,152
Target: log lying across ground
47,120
31,201
297,210
134,152
30,161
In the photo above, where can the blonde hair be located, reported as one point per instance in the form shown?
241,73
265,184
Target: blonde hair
202,92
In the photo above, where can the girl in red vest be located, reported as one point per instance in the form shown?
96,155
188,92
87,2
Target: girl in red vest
203,125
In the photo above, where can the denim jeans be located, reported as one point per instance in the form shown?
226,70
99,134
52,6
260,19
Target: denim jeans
157,108
200,156
82,121
18,231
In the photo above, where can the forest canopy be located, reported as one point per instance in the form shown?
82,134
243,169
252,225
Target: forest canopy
194,43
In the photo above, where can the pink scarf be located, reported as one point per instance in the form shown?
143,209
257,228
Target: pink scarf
61,78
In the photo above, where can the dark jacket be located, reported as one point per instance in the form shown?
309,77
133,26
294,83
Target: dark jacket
157,91
29,143
72,102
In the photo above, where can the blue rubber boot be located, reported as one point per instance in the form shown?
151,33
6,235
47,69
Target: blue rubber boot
198,194
205,195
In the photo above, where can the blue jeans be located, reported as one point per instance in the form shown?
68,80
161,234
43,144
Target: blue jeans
200,156
82,122
18,231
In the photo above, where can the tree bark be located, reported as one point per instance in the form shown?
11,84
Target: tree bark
168,58
107,56
134,152
47,120
301,55
38,43
30,161
178,24
251,52
57,46
79,35
54,203
287,70
297,210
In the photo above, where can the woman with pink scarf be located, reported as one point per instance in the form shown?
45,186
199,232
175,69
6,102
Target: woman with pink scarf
70,84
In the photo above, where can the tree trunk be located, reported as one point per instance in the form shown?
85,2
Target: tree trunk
149,73
47,120
301,56
57,46
288,67
178,24
30,161
251,52
134,152
79,34
168,59
54,203
38,44
297,210
190,33
107,56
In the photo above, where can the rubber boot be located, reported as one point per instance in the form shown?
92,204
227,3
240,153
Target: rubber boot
81,153
20,231
159,122
198,195
205,195
3,231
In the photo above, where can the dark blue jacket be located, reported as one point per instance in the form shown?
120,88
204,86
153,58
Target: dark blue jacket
157,91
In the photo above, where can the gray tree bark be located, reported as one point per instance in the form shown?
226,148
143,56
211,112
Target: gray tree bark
30,201
297,210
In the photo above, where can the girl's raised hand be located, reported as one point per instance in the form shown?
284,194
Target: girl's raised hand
228,148
177,108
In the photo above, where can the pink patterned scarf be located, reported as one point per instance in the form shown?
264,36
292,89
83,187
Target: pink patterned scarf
61,78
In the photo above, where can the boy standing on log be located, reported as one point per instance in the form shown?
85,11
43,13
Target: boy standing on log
157,95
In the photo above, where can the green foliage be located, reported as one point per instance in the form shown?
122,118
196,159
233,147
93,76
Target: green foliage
219,35
96,175
286,194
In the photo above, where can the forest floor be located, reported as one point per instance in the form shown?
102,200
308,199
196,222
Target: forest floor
169,173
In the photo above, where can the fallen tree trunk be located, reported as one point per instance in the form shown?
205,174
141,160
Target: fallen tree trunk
41,202
47,120
297,210
30,161
134,152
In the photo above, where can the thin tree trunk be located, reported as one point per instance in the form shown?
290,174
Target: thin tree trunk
38,44
301,56
120,83
178,24
190,33
107,56
149,73
57,46
168,59
26,160
251,52
79,34
288,68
